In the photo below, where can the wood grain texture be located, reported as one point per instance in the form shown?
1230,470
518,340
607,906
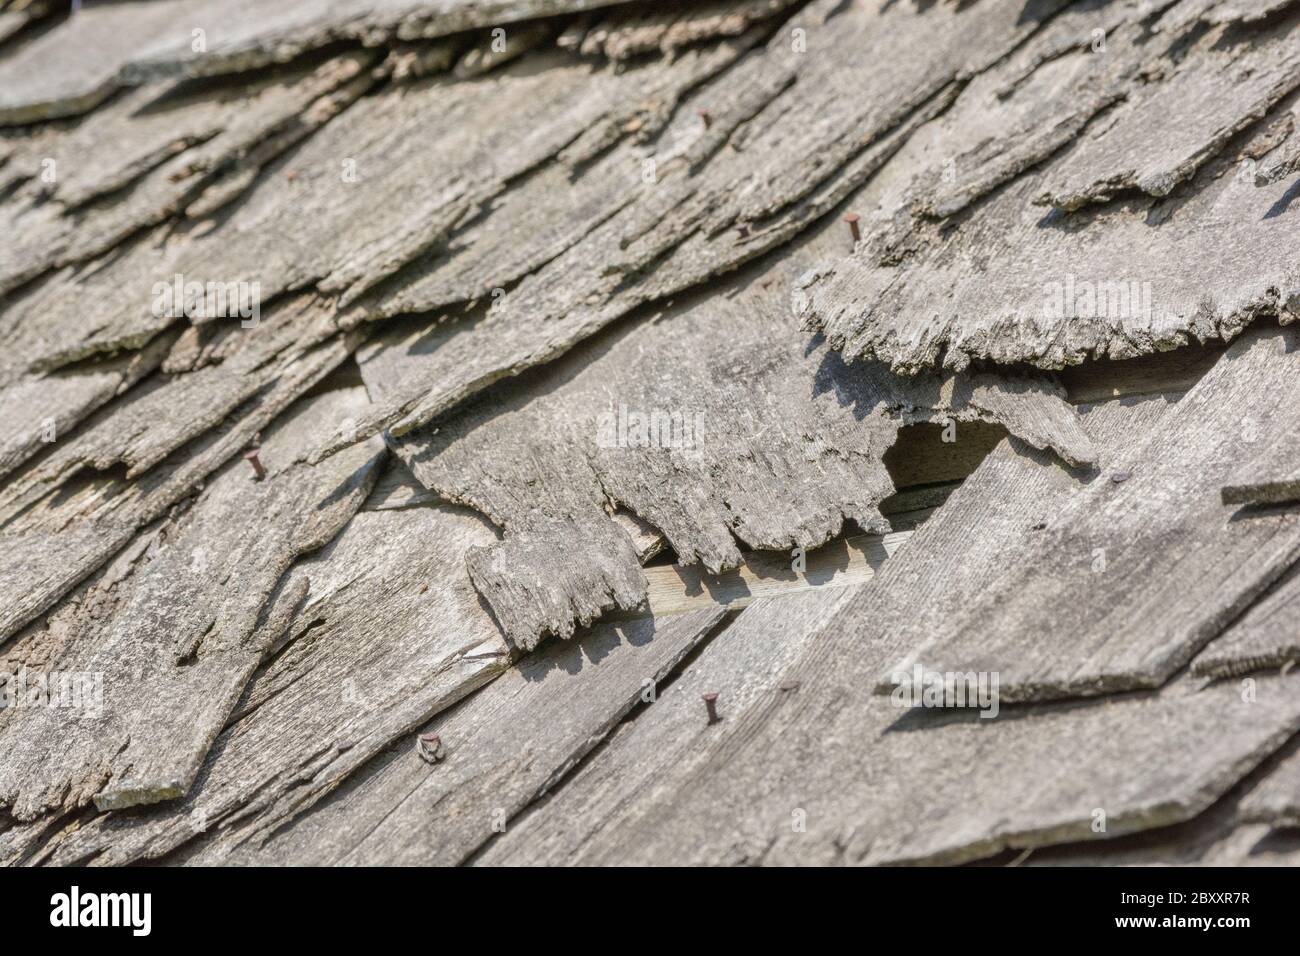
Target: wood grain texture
1263,637
781,474
1003,281
671,741
703,219
866,782
169,411
661,418
182,631
1276,800
180,145
391,633
831,720
503,747
1232,89
37,409
1098,601
312,225
51,77
57,542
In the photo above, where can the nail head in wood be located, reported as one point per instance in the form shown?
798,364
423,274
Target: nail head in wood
711,704
853,219
259,471
430,748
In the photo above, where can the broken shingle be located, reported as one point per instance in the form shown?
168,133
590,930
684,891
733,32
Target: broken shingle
391,634
54,544
167,691
662,420
1006,283
810,768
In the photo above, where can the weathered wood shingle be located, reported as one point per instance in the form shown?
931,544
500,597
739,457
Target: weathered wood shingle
182,630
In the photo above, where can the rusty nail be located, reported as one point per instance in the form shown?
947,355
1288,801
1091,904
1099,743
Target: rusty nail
430,747
259,472
708,120
852,219
711,702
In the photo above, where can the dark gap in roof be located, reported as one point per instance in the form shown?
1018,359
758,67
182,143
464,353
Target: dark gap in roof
187,90
38,26
347,375
926,454
1154,374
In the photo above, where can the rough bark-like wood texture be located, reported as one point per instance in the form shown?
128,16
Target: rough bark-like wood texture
1218,11
1035,183
731,468
166,413
623,37
1276,801
178,146
391,634
1099,600
502,748
1034,779
55,543
37,409
1265,636
1155,142
180,634
316,225
726,190
872,783
1003,280
134,40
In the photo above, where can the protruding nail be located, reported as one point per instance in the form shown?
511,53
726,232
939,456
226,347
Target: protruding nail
708,120
711,702
259,472
430,748
853,219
